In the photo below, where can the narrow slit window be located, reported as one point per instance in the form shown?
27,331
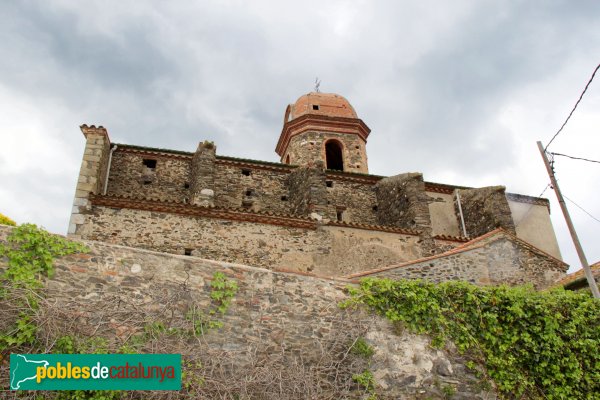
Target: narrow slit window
340,215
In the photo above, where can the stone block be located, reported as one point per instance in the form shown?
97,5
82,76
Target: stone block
79,201
77,219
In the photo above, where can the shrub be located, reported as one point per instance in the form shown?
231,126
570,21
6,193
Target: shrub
4,220
532,344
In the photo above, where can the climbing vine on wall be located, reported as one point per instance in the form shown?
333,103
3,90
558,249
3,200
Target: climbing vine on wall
29,252
532,344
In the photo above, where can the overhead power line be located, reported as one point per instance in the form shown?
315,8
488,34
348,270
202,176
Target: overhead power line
573,110
530,207
575,158
581,208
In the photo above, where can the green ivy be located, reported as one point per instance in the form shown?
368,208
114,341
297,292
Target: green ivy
532,344
222,292
29,252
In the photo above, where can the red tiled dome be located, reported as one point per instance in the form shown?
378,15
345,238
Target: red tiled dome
317,103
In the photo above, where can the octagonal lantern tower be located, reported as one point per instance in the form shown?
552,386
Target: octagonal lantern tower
324,127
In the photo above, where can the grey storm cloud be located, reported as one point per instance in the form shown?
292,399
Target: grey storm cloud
441,84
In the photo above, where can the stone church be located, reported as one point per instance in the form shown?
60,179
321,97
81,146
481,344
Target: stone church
318,211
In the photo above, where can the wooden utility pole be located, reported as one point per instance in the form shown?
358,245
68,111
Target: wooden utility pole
586,267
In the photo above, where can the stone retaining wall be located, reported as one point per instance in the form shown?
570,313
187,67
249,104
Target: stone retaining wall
112,291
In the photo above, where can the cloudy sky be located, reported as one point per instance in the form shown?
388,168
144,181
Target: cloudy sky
458,90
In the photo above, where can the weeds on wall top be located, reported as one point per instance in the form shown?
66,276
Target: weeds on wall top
4,220
538,345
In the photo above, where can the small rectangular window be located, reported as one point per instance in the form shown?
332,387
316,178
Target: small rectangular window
187,252
246,172
375,208
150,163
283,198
315,107
249,192
329,183
146,182
340,215
186,185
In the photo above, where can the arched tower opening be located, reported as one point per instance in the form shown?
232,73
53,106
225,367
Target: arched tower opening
324,129
334,155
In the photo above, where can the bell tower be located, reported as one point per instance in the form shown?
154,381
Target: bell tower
324,127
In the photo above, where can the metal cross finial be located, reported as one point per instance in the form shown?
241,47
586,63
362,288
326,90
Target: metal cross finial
317,84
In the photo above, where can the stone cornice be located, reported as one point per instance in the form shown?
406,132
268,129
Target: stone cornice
308,122
195,211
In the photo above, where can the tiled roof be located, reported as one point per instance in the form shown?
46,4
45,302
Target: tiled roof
473,244
318,103
579,275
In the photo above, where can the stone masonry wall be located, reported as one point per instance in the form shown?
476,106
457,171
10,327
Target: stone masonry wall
499,261
307,190
202,185
129,177
112,291
356,199
269,189
485,209
309,147
266,187
402,202
328,250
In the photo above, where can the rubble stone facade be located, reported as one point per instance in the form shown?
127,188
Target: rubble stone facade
318,210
